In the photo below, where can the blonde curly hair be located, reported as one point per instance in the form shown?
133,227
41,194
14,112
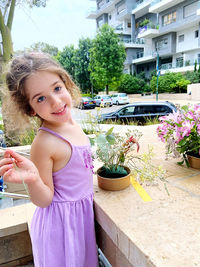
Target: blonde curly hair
20,70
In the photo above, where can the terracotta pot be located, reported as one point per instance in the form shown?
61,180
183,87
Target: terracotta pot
194,162
114,184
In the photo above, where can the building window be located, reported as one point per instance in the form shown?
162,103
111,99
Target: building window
161,44
129,24
179,62
198,58
196,34
169,18
100,23
121,7
190,9
119,27
100,4
181,38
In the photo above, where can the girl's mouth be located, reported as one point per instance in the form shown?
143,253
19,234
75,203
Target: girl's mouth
60,111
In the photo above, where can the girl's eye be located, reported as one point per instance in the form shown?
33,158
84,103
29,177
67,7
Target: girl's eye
40,99
57,89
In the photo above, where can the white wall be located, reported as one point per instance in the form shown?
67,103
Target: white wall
190,42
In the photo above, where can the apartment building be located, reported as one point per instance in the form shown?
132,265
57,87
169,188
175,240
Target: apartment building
155,32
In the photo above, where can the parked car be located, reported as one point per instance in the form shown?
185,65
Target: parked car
87,102
103,100
120,98
140,111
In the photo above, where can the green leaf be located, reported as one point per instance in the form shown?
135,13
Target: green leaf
110,139
109,131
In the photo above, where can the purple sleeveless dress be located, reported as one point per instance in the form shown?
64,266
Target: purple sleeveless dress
63,234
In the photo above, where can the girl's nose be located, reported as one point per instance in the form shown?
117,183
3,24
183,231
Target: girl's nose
55,100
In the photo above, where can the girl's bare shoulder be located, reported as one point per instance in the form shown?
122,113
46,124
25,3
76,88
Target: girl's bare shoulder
43,143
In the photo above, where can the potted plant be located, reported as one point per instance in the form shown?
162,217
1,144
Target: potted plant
119,156
180,131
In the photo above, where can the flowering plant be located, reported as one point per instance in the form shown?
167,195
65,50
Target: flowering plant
116,151
181,132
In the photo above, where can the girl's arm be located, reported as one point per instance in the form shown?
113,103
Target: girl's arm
16,168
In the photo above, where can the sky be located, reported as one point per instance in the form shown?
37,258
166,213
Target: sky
60,23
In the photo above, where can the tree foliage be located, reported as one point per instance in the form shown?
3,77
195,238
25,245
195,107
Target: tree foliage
192,76
66,59
45,48
133,84
81,62
107,56
7,9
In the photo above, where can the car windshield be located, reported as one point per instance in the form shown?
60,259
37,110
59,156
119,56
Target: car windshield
87,99
106,97
123,94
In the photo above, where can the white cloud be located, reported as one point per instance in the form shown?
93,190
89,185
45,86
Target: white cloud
60,23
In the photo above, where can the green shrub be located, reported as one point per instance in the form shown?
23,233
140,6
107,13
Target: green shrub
193,77
170,83
130,84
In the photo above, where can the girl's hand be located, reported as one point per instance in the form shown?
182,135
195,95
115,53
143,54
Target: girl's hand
15,168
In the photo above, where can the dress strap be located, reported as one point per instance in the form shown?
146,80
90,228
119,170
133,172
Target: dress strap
54,133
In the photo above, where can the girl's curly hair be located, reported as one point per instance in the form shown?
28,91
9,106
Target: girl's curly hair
21,67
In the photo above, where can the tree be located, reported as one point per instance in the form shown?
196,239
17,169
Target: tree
107,56
45,48
81,62
66,59
7,9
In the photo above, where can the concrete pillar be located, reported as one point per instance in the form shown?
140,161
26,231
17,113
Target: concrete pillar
133,28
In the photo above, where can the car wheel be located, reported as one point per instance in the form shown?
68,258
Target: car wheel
117,103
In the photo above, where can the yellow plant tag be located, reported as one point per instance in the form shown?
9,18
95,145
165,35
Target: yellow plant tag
140,190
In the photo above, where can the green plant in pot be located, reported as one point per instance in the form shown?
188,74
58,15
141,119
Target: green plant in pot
119,156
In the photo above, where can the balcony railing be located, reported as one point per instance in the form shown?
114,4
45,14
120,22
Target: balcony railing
144,54
137,41
139,2
179,64
149,26
154,2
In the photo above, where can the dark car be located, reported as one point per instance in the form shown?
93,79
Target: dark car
87,102
140,111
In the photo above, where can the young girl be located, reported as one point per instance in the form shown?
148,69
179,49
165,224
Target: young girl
59,175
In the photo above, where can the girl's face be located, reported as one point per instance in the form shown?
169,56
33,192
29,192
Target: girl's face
49,97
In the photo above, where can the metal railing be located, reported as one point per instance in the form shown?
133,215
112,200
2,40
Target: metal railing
149,26
154,2
180,64
130,41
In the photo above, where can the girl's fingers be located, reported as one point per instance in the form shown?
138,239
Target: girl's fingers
5,168
6,161
10,153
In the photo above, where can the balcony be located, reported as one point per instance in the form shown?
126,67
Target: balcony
142,8
138,43
119,29
143,57
181,66
148,31
158,6
104,6
92,13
